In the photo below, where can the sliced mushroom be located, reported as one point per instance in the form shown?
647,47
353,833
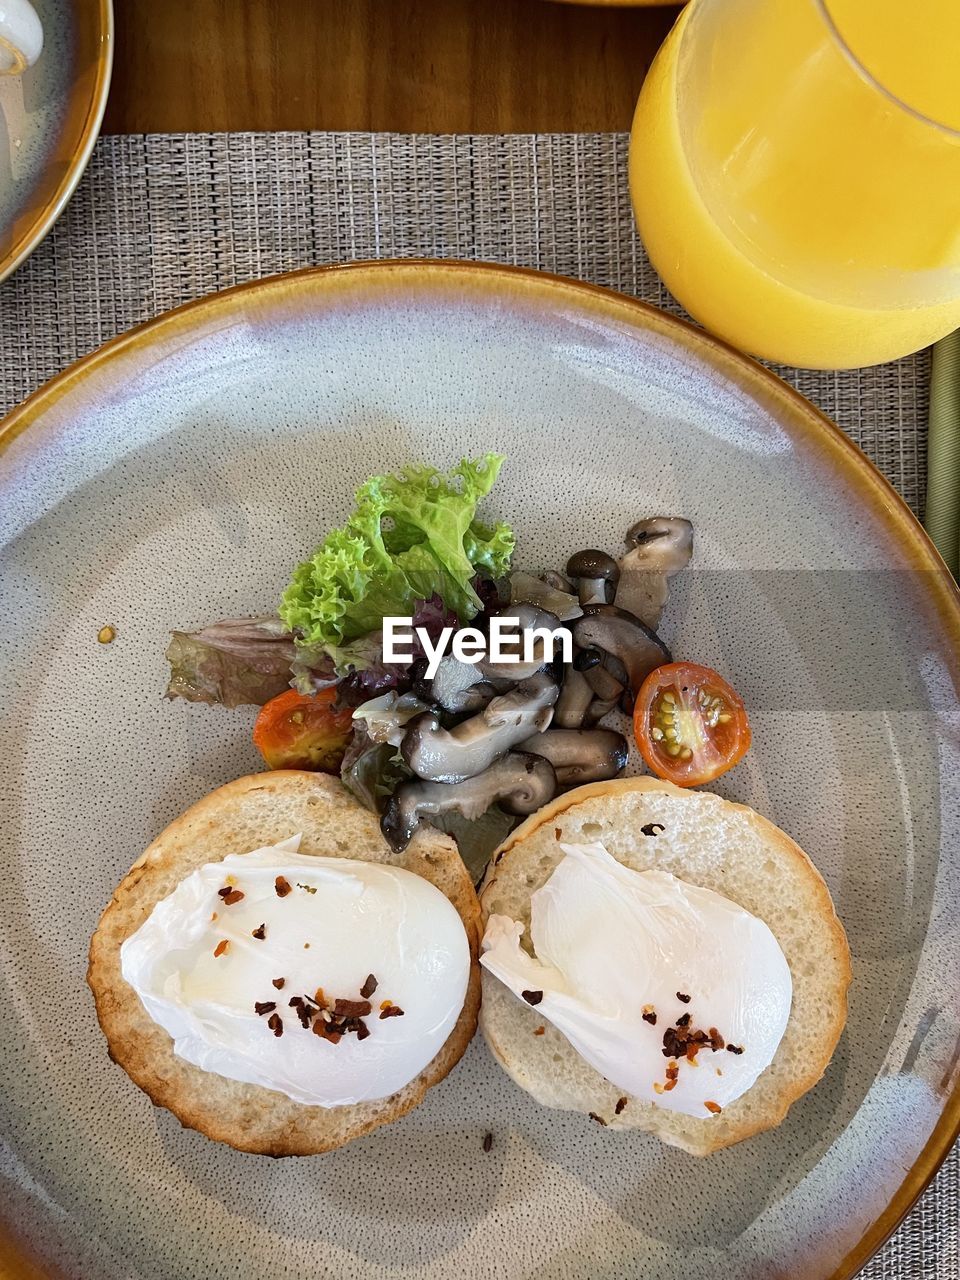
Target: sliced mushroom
473,699
386,717
586,659
625,637
528,618
450,755
575,697
519,782
580,755
457,686
604,684
557,581
607,678
667,541
597,709
559,601
616,668
593,570
656,549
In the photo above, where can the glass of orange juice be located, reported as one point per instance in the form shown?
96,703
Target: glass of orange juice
795,172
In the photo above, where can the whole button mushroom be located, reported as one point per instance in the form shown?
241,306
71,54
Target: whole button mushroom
592,570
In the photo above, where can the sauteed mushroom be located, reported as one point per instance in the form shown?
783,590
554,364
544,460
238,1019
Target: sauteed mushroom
580,755
597,709
450,755
457,687
544,593
624,636
575,697
593,570
387,716
519,782
528,618
656,549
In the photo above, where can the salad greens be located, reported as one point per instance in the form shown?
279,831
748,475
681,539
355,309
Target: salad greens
232,662
413,536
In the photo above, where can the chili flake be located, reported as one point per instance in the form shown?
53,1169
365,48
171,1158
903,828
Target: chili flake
222,947
713,1107
278,983
684,999
303,1013
351,1008
621,1103
260,932
532,997
369,987
264,1006
282,886
275,1023
394,1011
321,1029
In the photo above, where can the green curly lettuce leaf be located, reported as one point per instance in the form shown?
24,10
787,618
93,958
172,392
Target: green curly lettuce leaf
412,535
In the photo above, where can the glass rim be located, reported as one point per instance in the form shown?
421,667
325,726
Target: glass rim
867,75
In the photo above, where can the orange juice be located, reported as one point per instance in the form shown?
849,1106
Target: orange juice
795,172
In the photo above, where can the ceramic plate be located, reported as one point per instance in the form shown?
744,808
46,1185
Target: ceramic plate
49,120
175,478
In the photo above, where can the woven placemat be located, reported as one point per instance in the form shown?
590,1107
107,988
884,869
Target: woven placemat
160,220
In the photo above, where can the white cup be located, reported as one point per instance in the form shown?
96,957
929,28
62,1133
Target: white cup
21,36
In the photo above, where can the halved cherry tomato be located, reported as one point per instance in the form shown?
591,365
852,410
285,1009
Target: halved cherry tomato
690,725
298,732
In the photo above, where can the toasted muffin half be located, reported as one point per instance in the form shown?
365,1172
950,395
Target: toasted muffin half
706,841
242,816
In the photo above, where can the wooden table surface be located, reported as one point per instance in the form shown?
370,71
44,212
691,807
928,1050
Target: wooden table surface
436,66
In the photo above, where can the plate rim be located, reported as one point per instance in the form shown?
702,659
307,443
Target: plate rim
762,384
101,12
